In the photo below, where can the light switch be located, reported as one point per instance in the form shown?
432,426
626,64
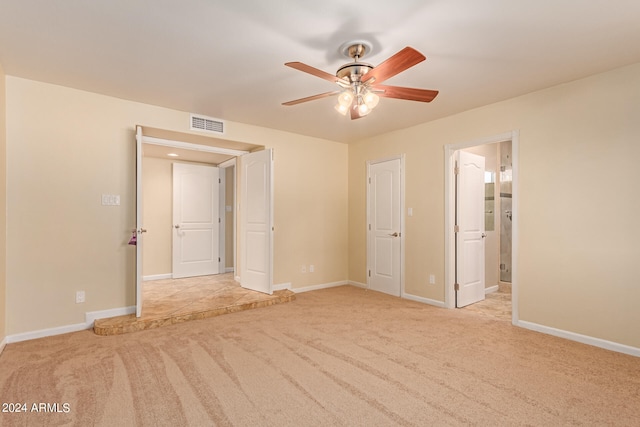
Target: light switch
410,211
110,200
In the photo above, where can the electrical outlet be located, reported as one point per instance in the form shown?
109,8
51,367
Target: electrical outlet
80,297
432,279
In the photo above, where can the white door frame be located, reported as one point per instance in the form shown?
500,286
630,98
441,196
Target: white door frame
139,231
400,157
223,167
450,220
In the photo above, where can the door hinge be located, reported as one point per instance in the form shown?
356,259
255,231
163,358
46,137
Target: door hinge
218,259
369,180
369,273
456,169
456,228
219,181
456,286
369,227
219,220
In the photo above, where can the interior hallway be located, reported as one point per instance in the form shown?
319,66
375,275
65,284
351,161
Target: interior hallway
169,301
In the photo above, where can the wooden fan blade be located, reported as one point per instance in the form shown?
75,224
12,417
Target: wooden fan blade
421,95
406,58
313,71
311,98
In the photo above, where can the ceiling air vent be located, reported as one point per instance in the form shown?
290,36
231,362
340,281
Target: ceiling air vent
206,124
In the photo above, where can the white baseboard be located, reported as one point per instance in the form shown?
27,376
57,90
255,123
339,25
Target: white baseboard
42,333
90,317
157,277
229,270
3,344
358,284
584,339
405,296
423,300
491,289
282,286
321,286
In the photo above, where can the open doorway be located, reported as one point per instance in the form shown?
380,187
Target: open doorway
159,215
496,225
159,149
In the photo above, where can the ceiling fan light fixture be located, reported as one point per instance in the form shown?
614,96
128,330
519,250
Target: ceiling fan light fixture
371,100
363,109
342,109
345,98
360,83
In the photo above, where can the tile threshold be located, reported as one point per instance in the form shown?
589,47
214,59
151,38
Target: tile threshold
130,323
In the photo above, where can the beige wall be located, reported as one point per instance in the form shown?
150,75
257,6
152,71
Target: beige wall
578,201
3,207
67,147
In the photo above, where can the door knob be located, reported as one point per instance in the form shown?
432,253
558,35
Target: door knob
484,235
176,226
142,230
394,234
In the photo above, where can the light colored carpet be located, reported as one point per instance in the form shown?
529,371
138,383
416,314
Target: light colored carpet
341,356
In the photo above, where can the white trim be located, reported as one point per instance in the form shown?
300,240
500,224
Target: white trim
424,300
357,284
515,198
3,344
92,316
227,163
449,220
190,146
224,165
491,289
321,286
153,277
282,286
584,339
42,333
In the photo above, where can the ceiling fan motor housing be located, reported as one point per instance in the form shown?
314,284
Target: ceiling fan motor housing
354,71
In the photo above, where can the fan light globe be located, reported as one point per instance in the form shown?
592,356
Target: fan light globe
345,98
342,109
363,109
371,100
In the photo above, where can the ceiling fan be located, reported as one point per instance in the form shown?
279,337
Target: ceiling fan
360,83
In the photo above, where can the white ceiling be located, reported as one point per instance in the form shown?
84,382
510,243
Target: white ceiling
225,58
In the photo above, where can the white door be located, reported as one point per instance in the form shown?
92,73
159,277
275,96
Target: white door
470,226
384,226
139,226
256,221
196,218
